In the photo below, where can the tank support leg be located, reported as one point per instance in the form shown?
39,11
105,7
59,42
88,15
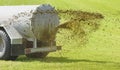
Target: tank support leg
35,43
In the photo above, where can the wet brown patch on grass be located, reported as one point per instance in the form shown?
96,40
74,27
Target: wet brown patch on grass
78,24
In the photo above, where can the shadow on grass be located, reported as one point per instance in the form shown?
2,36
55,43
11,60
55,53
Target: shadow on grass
48,59
61,60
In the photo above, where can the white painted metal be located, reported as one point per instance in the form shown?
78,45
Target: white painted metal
8,11
14,35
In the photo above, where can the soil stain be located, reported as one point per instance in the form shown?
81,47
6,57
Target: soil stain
78,24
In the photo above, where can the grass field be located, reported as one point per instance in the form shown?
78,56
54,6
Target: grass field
101,50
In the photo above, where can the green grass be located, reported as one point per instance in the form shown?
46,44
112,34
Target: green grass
100,52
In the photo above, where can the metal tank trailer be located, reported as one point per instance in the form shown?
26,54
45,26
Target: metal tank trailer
29,30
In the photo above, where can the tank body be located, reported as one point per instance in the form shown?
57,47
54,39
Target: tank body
38,22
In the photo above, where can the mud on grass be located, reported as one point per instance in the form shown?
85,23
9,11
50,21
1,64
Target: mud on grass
76,25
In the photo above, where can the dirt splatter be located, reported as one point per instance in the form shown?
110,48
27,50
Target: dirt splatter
78,25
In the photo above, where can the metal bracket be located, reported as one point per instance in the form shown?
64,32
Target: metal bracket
14,35
42,49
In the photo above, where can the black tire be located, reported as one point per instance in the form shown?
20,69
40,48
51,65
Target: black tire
5,47
37,55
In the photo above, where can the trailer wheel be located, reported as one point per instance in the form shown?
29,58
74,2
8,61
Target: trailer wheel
37,55
5,47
